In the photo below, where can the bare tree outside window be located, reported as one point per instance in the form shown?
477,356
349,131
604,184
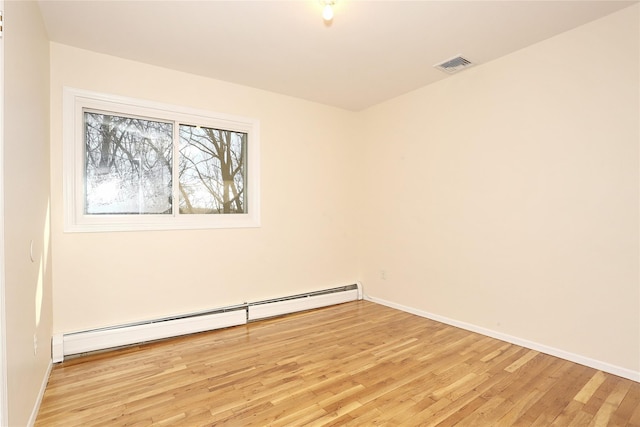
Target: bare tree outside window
127,165
212,171
136,165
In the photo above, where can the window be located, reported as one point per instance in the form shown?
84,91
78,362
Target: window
136,165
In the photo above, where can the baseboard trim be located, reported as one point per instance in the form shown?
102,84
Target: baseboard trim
150,330
84,342
278,308
43,387
572,357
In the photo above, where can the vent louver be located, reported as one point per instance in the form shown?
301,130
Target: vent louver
454,65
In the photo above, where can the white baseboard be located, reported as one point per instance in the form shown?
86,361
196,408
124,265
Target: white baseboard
43,387
117,336
572,357
277,308
84,342
57,348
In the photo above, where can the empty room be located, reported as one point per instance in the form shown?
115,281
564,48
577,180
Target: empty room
316,212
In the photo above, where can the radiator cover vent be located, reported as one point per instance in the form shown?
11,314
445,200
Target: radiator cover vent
156,329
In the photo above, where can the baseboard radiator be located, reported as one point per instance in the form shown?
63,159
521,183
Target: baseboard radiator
133,333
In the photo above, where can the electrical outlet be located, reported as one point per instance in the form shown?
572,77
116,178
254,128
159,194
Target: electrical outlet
383,274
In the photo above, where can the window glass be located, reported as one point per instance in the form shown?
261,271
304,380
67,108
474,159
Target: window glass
127,165
212,171
136,165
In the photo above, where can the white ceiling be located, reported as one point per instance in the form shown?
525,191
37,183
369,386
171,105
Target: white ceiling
373,50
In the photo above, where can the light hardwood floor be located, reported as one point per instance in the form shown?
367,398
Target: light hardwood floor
355,364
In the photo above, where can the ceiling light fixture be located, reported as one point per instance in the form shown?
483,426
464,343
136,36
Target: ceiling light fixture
327,12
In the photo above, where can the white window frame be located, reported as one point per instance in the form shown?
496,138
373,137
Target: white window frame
75,101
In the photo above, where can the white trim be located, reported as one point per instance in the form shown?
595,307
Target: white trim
360,291
4,405
84,342
572,357
149,330
73,103
43,388
277,308
57,348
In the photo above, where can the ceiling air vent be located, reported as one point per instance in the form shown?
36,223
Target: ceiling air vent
454,65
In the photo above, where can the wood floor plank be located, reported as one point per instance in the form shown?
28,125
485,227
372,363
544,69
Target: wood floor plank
355,364
590,387
555,398
610,405
522,361
630,402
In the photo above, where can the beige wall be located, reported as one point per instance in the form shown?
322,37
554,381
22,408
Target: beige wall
306,239
507,196
26,180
